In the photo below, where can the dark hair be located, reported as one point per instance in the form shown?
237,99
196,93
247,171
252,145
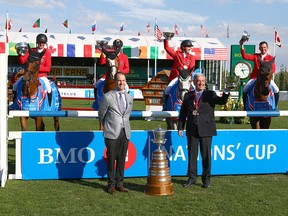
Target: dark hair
263,42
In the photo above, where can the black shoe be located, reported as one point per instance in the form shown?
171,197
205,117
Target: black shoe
207,185
189,184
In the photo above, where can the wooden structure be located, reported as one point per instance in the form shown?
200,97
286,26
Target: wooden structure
153,90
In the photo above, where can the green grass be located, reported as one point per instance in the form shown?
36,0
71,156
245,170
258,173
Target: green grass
229,195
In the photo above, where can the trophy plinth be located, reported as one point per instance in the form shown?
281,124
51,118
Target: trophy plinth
159,179
168,35
232,82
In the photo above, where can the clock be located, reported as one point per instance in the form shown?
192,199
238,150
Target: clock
242,70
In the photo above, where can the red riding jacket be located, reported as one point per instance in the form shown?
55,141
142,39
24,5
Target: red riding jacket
45,65
179,60
123,63
254,58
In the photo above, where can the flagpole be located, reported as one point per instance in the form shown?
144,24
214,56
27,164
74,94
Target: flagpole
274,47
6,27
155,66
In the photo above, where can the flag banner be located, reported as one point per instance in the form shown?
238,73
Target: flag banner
94,27
176,29
148,27
57,50
36,24
203,31
122,27
157,33
277,39
80,50
46,30
65,23
228,32
215,54
8,24
20,30
2,47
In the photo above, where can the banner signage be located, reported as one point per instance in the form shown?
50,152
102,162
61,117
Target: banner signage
65,155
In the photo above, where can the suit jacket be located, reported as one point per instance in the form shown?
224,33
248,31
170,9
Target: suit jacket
111,116
205,120
179,60
254,58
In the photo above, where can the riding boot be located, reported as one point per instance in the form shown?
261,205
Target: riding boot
276,98
49,98
244,99
14,96
95,94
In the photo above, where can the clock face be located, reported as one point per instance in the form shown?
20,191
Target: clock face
242,70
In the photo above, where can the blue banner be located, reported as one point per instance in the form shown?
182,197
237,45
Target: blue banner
72,155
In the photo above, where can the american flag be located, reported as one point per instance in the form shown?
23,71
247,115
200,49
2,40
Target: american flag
157,33
215,54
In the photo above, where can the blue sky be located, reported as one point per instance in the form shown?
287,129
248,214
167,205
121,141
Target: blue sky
258,17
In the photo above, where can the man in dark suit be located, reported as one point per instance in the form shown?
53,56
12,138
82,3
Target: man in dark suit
114,113
198,109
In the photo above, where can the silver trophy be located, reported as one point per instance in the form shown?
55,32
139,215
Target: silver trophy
101,43
159,137
232,82
245,36
21,48
168,35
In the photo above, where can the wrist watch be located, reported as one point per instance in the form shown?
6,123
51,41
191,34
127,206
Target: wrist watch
242,70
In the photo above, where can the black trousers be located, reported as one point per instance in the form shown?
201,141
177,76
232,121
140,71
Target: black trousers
205,150
116,152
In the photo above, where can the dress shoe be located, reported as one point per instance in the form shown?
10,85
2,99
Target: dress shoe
122,189
189,184
111,190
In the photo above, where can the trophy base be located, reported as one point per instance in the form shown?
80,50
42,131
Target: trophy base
159,190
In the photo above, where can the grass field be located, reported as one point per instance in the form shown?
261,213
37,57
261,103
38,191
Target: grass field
229,195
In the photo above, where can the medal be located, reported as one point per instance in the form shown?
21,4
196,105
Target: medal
195,112
185,67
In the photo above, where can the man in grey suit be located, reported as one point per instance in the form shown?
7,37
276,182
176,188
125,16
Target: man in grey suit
114,113
198,110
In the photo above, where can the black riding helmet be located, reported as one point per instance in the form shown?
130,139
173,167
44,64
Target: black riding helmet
41,38
117,43
186,43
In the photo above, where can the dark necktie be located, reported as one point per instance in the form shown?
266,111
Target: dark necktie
121,102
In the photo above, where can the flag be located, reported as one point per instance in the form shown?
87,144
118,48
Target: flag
139,34
277,39
65,23
148,27
176,29
8,24
203,32
122,27
46,30
215,54
36,24
157,32
94,27
20,30
228,31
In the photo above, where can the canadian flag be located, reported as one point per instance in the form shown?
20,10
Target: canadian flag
277,39
176,29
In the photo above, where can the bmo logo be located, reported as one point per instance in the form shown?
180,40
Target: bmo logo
130,157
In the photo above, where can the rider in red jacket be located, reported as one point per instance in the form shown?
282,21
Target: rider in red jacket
263,47
183,59
45,65
123,63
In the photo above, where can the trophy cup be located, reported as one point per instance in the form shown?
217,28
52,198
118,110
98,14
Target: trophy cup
168,35
101,43
159,179
232,82
245,36
21,48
